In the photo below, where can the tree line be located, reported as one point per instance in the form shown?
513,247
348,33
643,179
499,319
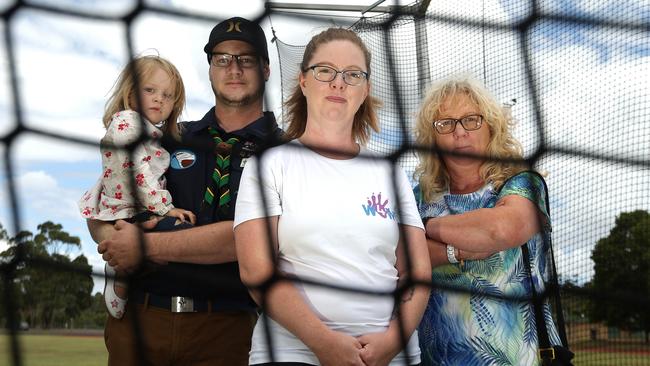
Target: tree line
51,289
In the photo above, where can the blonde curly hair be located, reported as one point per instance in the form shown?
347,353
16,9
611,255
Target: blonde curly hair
431,172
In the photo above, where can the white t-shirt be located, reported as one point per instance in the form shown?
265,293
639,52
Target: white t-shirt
338,225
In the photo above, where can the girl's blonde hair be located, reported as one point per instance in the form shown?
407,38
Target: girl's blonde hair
431,171
296,105
137,71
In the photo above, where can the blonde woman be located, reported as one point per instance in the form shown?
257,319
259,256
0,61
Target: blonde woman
477,214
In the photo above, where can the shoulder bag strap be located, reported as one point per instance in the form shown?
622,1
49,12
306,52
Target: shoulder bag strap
554,283
540,320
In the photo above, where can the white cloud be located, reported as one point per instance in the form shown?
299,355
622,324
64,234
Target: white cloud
225,9
491,11
30,148
586,196
593,99
39,191
592,106
107,8
66,67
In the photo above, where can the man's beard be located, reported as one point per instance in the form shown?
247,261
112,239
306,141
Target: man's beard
243,101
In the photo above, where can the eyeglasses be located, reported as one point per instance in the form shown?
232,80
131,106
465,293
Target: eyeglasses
326,74
448,125
225,59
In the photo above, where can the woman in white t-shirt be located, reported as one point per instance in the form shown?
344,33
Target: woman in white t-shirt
337,216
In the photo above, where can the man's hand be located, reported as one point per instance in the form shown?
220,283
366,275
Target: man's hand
123,250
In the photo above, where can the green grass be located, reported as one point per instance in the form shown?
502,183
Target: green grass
51,350
73,350
603,353
589,358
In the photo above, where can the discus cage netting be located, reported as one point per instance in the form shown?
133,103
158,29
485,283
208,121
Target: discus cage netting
586,132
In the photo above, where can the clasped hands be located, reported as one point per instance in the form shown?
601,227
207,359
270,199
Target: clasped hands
374,349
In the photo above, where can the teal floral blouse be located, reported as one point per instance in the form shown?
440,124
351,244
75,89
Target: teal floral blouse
469,326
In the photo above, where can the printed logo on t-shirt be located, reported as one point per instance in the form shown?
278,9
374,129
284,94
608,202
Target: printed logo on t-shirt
375,207
182,159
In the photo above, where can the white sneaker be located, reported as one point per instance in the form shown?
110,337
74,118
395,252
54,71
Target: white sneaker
114,304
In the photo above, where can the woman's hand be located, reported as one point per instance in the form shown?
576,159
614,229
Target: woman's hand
379,348
339,349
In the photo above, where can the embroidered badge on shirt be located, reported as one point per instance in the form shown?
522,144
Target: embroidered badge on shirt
247,150
182,159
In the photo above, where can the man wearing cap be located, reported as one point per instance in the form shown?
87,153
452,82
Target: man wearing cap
192,308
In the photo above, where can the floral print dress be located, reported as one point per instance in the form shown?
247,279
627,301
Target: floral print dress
111,197
468,327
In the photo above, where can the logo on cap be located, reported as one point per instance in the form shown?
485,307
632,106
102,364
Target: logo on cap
233,26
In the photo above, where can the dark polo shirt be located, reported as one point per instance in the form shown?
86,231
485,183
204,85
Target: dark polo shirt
190,172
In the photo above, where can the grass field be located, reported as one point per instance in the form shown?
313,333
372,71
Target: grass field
610,359
603,353
56,350
89,350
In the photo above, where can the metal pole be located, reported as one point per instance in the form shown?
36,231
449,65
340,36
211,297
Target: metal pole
421,47
331,7
373,6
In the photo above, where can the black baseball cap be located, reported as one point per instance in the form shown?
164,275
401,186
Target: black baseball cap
238,29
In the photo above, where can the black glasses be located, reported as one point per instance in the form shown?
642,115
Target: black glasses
225,59
326,74
448,125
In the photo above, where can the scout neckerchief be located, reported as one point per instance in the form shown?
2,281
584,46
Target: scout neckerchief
221,174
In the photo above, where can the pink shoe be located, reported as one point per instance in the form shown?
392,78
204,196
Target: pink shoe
114,304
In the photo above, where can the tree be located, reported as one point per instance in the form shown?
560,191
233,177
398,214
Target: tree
4,238
622,274
50,287
575,304
55,238
3,233
95,316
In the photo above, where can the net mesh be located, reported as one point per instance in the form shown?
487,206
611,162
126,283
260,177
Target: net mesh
524,58
586,131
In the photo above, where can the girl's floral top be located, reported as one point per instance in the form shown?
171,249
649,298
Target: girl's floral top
111,197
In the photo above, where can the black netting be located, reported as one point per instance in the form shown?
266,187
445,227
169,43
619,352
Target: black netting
589,135
593,173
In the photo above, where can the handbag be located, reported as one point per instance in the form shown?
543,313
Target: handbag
557,355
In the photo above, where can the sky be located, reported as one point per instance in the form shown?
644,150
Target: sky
592,85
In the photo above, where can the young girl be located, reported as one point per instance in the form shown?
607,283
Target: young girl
147,100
